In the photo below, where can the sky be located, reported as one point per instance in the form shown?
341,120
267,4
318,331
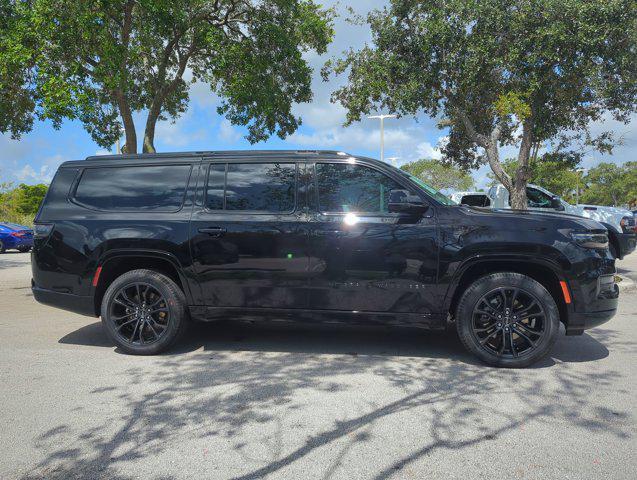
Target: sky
35,157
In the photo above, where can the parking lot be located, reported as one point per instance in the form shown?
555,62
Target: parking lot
248,401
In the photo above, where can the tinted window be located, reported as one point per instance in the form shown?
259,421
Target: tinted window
266,187
159,187
353,188
216,184
537,199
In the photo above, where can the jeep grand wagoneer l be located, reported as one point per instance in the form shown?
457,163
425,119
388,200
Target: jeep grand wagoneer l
149,242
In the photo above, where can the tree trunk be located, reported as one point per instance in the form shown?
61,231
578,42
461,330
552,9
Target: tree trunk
517,192
149,131
129,126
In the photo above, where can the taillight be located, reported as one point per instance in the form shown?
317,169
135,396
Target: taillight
42,230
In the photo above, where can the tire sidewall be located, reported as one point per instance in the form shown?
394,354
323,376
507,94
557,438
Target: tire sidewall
175,303
464,317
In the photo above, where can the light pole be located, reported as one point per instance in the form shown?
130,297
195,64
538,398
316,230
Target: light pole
578,171
382,133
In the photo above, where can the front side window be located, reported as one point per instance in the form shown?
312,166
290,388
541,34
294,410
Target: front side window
537,199
147,188
344,188
254,187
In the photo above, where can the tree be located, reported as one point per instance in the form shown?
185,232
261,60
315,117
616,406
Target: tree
611,184
499,73
100,62
440,175
20,204
557,174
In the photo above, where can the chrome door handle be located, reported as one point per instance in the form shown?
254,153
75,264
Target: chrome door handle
213,231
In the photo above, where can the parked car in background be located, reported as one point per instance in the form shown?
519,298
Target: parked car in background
15,237
149,241
619,222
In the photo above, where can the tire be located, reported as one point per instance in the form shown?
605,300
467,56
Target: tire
498,336
24,249
613,250
2,249
144,312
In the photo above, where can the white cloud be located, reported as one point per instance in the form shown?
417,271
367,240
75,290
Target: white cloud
28,174
227,132
181,132
103,151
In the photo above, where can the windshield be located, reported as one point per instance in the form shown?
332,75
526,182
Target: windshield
430,190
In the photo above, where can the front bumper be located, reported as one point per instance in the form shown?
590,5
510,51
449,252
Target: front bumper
627,243
594,309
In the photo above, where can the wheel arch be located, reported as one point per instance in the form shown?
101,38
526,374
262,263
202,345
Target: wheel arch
117,263
544,271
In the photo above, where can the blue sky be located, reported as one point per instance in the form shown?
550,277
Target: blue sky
36,156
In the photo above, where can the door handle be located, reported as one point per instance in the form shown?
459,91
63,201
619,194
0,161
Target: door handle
213,231
332,233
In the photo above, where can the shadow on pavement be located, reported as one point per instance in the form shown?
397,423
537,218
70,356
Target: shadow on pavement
233,336
258,375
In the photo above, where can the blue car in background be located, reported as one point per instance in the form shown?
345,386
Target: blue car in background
14,236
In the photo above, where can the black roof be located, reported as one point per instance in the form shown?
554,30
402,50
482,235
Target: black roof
171,156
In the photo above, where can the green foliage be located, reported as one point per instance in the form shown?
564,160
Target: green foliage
20,204
99,62
499,72
440,175
611,184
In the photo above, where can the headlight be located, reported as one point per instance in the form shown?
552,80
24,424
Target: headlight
591,240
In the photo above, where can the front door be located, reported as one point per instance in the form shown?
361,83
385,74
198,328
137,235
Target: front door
362,257
249,237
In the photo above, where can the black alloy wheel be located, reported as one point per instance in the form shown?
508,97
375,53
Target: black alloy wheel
139,313
507,319
508,322
144,312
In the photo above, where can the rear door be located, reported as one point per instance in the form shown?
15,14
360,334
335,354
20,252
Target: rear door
362,257
249,235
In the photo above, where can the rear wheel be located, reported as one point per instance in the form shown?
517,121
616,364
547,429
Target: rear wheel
144,312
24,249
507,320
2,248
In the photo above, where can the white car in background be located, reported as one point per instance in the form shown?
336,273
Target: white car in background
620,223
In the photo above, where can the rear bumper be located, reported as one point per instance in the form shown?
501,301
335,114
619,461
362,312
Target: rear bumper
627,243
65,301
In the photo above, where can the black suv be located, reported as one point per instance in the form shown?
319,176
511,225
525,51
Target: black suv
149,241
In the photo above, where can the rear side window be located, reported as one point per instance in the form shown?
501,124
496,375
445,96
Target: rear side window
147,188
253,187
346,188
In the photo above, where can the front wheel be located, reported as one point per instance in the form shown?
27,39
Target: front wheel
507,320
144,312
24,249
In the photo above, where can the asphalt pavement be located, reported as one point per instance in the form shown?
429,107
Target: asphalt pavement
251,401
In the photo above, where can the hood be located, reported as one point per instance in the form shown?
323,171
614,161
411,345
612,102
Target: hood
609,215
567,219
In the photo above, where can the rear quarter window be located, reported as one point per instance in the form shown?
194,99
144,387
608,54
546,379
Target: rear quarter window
135,188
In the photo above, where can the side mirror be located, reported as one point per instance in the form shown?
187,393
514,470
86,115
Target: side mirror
556,204
402,201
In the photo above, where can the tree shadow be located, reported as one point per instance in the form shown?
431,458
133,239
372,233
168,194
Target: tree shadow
237,375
